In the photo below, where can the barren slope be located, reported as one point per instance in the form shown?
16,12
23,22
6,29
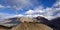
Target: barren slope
31,26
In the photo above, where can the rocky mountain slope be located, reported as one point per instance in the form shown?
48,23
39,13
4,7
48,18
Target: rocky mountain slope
26,23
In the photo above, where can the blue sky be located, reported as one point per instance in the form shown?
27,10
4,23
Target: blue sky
29,7
45,3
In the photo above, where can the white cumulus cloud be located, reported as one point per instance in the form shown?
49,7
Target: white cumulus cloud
1,6
48,12
38,10
7,15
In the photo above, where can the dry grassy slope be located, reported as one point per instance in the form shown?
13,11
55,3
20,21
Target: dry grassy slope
31,26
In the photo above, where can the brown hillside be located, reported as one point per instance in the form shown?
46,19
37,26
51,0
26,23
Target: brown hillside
31,26
27,23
